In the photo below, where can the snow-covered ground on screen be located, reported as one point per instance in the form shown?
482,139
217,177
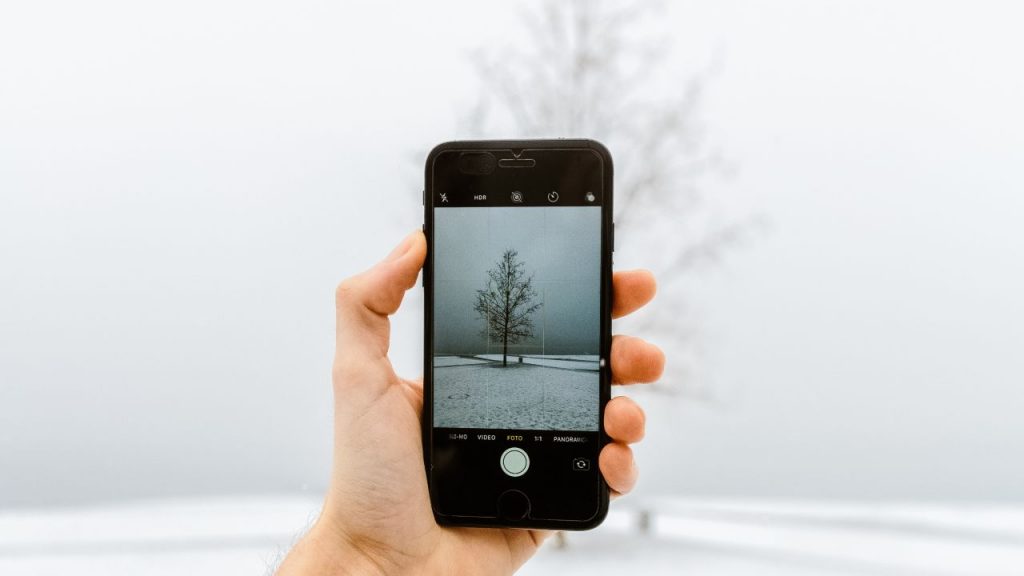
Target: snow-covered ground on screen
235,536
537,393
567,361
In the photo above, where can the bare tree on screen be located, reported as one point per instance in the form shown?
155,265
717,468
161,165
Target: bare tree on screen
506,303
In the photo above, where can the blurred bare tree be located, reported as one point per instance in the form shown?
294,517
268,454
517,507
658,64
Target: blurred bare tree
599,69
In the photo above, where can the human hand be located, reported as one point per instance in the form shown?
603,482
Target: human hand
376,517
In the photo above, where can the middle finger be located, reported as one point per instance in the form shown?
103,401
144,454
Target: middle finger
635,360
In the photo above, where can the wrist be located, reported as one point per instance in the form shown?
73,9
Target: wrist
328,551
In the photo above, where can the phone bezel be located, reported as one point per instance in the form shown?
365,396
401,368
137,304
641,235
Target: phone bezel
607,247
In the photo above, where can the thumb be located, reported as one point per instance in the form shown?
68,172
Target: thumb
363,303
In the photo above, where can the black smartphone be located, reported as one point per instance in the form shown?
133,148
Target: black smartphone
517,331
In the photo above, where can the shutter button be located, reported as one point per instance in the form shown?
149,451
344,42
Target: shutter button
515,462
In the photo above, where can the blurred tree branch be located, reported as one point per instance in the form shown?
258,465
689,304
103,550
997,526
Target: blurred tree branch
600,69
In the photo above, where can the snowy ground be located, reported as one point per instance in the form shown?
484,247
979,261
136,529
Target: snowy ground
228,536
536,393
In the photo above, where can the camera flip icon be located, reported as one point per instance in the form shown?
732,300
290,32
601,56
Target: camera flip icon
580,464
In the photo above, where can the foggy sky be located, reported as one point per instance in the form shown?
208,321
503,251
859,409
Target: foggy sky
182,186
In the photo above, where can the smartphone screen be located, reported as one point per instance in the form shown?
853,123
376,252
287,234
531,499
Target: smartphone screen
517,331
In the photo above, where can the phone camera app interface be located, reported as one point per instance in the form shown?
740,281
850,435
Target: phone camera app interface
517,317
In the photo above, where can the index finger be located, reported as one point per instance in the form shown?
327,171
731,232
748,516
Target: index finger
631,289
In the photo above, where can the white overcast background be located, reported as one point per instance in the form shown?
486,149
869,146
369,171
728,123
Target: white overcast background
182,185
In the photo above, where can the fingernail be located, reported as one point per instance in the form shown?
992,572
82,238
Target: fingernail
402,248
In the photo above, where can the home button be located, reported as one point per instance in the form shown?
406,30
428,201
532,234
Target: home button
513,505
